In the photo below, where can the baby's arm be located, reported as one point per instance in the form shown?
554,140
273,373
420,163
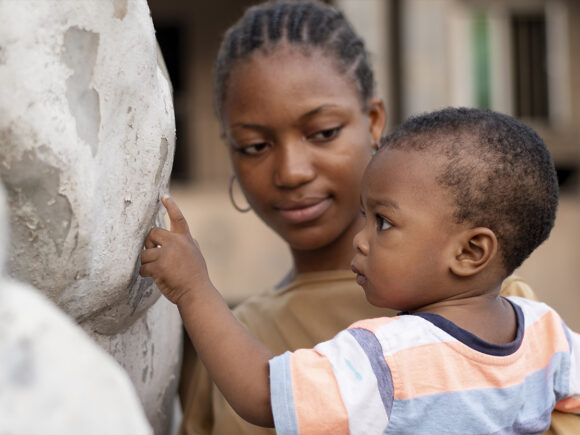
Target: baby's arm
571,404
236,361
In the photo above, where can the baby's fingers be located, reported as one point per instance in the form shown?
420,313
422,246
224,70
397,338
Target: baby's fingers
178,222
150,255
156,237
149,244
145,270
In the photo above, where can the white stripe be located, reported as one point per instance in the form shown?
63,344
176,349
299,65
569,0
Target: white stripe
533,310
409,332
357,384
575,364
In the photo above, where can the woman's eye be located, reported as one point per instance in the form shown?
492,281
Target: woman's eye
382,223
363,214
327,134
252,150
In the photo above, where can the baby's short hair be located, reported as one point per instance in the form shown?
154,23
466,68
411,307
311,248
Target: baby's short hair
498,171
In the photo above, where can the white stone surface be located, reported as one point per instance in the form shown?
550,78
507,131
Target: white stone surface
53,378
86,146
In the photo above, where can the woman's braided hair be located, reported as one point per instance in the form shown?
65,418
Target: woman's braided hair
307,24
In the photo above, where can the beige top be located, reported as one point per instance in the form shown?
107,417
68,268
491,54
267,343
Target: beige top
311,309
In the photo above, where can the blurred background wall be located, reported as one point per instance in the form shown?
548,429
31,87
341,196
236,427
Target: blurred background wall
520,57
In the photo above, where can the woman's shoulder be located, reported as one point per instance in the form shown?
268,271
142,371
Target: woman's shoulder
305,286
515,285
311,308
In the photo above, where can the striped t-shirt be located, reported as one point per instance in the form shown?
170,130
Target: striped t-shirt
421,373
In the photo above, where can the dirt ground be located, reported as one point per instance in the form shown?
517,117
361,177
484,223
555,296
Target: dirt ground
245,257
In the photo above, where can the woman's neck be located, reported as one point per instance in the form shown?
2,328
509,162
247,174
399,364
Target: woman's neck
334,256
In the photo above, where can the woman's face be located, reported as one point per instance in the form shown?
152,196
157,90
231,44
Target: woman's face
299,141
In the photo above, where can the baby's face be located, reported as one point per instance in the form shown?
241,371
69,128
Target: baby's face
401,253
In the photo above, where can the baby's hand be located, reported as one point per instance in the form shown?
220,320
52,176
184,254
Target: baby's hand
172,257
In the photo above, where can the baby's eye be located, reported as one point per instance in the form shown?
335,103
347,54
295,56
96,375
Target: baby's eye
252,150
326,135
363,214
382,223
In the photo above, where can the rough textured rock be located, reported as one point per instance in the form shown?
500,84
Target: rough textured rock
86,146
53,378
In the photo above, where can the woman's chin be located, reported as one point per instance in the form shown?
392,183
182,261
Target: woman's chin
310,238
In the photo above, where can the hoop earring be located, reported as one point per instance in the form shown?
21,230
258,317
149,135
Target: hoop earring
231,192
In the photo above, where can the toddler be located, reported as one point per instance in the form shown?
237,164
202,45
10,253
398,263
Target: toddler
453,201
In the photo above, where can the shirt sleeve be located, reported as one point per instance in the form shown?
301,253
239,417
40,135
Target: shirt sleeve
333,388
571,404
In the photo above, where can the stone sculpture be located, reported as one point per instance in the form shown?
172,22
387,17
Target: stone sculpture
53,378
87,138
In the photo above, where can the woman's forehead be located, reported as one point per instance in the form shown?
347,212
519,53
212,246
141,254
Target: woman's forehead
285,67
274,81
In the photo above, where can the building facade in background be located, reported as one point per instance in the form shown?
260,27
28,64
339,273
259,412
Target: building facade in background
520,57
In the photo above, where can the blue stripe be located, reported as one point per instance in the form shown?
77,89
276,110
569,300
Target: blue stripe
282,396
374,352
563,387
523,408
531,426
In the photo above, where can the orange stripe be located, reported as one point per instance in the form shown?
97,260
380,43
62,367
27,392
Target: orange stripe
444,367
372,325
571,404
319,407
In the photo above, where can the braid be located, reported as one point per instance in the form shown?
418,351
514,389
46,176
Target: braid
309,24
255,36
295,24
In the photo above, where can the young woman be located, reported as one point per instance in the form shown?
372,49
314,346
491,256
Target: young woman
296,98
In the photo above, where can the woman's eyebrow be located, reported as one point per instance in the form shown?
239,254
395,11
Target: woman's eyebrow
249,126
317,110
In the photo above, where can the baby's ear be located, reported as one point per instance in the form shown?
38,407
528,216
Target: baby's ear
475,249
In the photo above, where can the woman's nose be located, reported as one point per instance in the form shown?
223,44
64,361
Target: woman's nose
294,166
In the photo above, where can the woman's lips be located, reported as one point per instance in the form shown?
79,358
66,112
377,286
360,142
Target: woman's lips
306,211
